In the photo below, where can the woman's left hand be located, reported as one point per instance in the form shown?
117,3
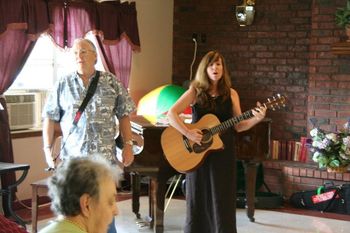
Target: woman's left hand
260,111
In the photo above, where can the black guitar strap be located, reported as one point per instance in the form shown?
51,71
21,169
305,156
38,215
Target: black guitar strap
90,92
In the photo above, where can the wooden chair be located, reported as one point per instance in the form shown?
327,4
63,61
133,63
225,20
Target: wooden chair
41,185
36,186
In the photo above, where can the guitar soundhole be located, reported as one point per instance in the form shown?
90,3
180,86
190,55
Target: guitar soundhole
206,142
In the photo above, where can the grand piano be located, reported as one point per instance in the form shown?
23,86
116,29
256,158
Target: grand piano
252,147
150,162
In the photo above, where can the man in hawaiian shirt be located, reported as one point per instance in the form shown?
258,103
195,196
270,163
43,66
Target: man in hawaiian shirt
97,127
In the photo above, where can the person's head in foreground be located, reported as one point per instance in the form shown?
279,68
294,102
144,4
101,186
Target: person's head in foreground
83,191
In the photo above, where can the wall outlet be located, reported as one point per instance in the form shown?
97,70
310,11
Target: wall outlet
199,37
203,38
195,36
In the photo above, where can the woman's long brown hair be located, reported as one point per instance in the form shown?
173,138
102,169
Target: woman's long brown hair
201,83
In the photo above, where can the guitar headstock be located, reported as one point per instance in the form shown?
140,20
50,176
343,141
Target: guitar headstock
276,101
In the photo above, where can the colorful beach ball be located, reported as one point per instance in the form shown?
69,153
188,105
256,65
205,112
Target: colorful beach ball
155,104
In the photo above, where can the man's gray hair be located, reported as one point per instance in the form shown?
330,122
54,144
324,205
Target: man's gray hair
76,41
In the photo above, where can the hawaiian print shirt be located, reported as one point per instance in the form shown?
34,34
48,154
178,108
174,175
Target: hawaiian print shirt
97,127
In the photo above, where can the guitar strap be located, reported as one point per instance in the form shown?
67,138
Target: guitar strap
90,92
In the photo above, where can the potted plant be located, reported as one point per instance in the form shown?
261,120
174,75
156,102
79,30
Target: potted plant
331,150
342,18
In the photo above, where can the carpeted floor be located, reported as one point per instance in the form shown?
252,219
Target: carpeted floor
265,220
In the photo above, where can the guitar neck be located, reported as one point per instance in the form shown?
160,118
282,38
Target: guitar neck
271,104
231,122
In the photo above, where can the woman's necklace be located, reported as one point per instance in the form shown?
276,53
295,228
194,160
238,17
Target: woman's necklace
75,224
213,94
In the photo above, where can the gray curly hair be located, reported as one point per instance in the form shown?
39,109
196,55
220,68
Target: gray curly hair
75,177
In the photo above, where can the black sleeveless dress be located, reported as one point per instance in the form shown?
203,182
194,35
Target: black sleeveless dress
211,189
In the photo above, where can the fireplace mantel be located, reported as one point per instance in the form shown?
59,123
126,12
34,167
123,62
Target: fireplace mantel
341,48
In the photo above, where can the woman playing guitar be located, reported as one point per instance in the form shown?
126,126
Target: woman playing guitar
210,188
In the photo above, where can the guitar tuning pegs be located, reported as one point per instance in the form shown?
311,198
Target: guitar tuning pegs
271,105
276,101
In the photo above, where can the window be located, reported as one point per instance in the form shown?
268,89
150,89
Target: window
45,65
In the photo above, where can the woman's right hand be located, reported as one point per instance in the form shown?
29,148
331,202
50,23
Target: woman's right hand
195,135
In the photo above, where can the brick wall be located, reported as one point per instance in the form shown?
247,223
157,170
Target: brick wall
268,57
286,50
329,79
288,177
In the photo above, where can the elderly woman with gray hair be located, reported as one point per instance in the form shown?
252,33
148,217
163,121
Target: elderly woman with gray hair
83,193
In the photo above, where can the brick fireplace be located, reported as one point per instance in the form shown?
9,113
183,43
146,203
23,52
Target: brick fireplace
288,177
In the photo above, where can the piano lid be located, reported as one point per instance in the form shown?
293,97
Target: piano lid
139,123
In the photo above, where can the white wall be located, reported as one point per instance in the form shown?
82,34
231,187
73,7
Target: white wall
152,67
29,151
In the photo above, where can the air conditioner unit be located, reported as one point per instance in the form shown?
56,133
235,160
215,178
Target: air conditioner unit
22,110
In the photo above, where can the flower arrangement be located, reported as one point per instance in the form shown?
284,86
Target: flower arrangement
331,150
342,15
342,18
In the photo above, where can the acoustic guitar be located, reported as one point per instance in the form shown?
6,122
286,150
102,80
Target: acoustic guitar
184,155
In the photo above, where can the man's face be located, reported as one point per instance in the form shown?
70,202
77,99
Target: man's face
105,208
85,56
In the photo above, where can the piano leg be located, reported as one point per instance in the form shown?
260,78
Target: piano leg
157,189
251,171
136,186
151,200
157,195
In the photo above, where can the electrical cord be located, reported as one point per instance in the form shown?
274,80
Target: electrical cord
194,56
48,169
